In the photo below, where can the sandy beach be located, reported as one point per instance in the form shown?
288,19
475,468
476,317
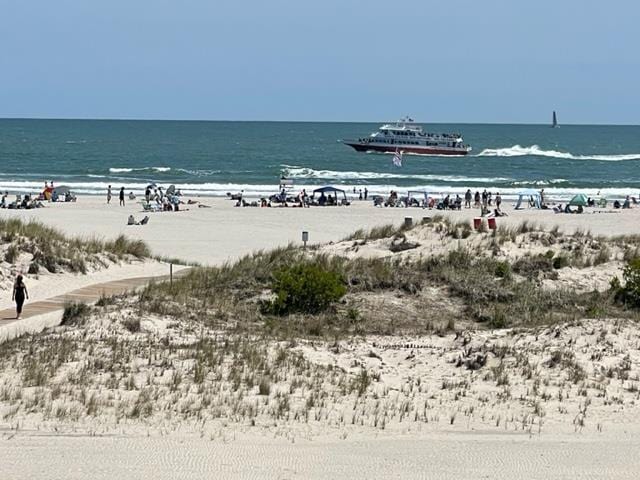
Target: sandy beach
224,232
448,456
556,402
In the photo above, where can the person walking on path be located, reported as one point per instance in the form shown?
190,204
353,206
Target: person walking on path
109,195
19,295
122,197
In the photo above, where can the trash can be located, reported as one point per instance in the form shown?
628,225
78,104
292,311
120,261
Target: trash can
477,223
492,223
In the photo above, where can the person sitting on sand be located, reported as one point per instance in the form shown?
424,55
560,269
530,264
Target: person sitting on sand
131,196
616,204
322,201
19,294
627,203
567,209
131,220
498,213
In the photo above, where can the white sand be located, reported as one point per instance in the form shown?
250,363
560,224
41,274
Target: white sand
438,456
213,235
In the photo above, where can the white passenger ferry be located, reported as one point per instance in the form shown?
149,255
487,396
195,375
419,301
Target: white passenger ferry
408,137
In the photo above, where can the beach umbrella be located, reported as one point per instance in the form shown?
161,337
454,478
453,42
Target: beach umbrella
579,200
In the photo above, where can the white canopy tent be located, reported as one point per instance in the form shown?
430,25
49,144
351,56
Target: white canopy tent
531,197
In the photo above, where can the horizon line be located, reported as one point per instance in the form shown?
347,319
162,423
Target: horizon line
136,119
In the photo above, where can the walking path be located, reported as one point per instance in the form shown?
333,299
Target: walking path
88,294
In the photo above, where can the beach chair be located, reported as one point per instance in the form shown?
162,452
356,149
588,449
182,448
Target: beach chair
144,221
602,203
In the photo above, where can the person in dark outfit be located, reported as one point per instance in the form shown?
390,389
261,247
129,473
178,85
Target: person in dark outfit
122,197
19,295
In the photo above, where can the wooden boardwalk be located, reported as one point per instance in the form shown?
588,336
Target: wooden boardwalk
89,294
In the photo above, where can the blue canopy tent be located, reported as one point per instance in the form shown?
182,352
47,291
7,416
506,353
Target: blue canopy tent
531,197
326,196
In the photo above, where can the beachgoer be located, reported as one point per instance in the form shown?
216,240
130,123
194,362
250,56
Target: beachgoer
476,198
467,199
131,196
109,195
360,195
498,200
542,197
147,194
19,294
122,197
366,193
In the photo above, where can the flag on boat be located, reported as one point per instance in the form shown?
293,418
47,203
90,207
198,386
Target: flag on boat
397,158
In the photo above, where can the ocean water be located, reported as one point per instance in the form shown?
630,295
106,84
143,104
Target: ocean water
212,158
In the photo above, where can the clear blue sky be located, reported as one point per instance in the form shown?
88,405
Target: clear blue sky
352,60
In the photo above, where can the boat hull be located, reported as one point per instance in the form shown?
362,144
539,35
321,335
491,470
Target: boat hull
407,149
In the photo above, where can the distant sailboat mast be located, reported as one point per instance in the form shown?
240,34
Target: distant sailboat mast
555,120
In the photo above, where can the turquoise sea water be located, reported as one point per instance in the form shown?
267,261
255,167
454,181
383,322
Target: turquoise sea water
212,158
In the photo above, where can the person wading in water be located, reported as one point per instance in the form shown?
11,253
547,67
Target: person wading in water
19,295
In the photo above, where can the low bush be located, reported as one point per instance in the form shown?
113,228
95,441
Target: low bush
629,293
560,261
305,287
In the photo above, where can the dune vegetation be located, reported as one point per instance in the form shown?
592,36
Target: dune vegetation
436,325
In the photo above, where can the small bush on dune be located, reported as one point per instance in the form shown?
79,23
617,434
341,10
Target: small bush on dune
306,288
11,255
561,261
75,313
629,294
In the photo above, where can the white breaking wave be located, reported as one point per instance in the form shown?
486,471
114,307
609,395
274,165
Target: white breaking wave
535,150
142,169
299,172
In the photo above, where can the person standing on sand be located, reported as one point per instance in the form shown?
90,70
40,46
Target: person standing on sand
109,195
19,295
366,193
467,199
122,197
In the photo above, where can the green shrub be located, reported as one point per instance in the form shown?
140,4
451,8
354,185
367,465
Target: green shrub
630,292
306,288
561,261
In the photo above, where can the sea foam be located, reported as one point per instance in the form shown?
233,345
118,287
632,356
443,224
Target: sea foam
535,150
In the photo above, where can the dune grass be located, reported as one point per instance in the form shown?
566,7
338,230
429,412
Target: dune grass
53,250
485,286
